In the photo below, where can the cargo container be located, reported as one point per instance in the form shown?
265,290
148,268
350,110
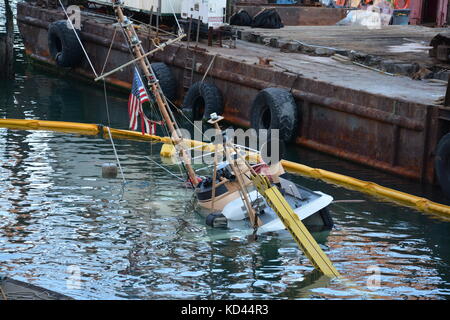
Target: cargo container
210,12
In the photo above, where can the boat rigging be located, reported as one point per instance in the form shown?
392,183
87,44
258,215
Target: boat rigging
237,190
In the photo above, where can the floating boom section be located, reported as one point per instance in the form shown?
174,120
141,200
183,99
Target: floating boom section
398,197
301,235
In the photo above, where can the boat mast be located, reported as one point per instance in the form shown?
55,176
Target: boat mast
255,221
138,52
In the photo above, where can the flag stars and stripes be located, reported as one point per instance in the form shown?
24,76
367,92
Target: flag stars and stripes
138,96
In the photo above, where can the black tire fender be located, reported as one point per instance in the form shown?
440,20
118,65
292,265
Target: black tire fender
63,45
217,220
275,108
203,98
166,80
442,164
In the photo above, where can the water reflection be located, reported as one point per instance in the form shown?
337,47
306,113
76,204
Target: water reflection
143,240
17,191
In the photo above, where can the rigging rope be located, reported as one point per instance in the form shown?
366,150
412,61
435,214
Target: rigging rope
175,16
3,293
104,84
78,38
164,128
109,51
107,109
117,157
209,67
165,169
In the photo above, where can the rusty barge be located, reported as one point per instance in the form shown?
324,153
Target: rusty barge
391,123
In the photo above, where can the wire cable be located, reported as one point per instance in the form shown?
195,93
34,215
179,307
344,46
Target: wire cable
165,169
78,38
175,16
165,129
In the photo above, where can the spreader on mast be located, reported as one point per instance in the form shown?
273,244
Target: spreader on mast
235,188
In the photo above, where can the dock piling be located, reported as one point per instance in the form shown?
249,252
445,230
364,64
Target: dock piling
7,45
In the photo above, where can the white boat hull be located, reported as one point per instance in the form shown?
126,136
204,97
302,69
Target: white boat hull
235,211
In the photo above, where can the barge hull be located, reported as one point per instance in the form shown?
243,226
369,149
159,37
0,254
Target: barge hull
396,135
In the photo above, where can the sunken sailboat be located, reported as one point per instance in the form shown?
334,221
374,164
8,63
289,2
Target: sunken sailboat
228,193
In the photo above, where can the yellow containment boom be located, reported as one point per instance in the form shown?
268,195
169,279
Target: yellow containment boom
295,226
59,126
79,128
371,188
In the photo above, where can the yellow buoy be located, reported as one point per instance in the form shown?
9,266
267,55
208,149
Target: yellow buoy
168,150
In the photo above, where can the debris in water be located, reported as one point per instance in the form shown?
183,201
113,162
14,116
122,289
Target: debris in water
109,170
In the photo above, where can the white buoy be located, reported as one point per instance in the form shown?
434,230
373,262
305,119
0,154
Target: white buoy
109,170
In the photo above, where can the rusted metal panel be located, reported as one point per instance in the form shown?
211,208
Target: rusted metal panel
431,137
394,130
394,135
441,16
418,15
415,16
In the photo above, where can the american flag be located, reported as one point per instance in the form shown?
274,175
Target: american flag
138,96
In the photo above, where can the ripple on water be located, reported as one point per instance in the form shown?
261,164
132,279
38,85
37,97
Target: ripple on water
141,240
135,241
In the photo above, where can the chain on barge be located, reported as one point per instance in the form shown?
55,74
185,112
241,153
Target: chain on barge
337,110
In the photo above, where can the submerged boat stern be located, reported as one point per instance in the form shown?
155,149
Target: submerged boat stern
310,206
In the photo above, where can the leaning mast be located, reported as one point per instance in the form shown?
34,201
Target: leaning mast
271,193
144,64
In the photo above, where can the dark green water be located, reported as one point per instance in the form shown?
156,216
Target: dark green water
142,240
